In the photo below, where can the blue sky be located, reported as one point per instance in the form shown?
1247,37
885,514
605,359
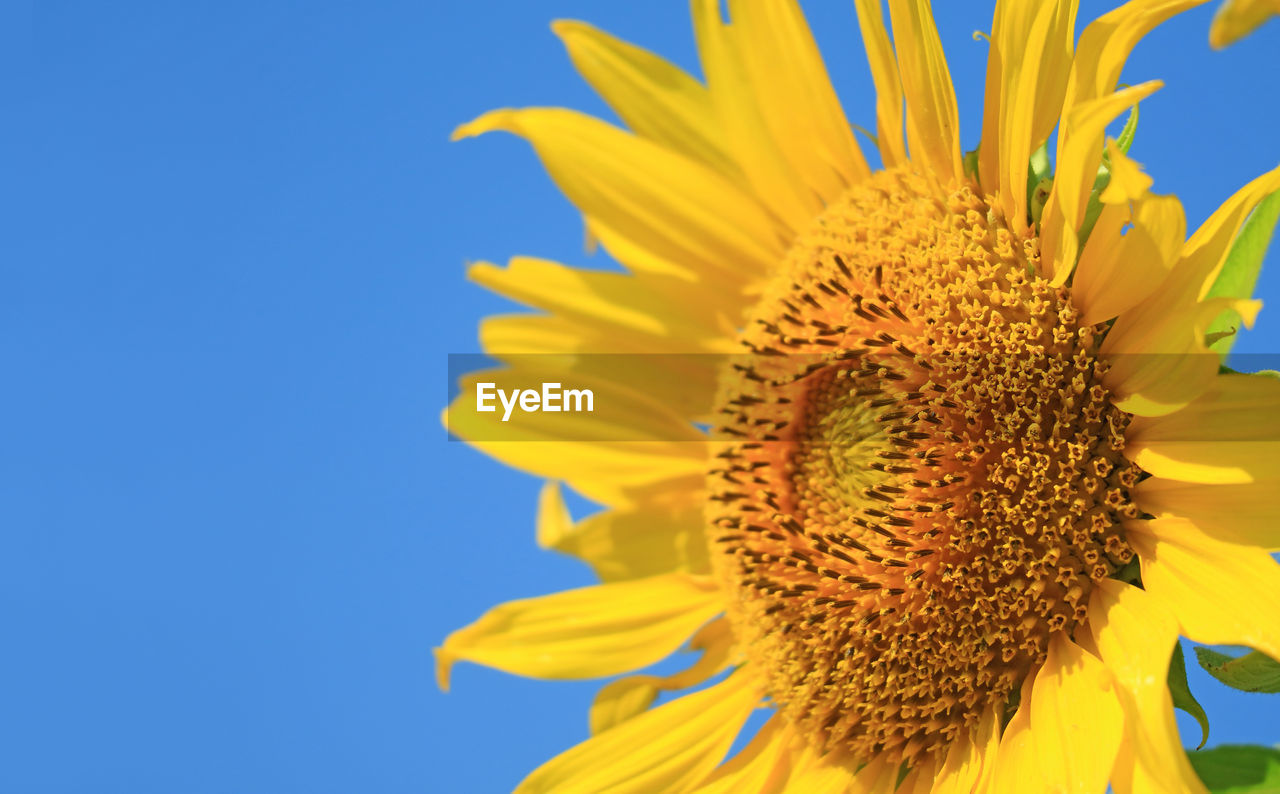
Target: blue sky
233,268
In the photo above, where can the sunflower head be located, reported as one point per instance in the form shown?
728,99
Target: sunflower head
963,477
927,474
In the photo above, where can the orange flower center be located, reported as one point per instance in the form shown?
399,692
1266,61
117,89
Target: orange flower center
923,476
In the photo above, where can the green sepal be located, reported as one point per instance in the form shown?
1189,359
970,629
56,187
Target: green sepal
1039,182
1038,168
1238,769
1130,572
867,134
903,771
1180,690
1223,369
1253,672
1038,198
970,163
1212,337
1240,271
1094,208
1127,134
1010,707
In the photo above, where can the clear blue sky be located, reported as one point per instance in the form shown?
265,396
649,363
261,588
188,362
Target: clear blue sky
233,253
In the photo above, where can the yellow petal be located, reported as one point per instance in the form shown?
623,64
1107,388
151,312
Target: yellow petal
1198,265
670,748
970,758
795,96
1127,182
628,544
877,777
625,698
762,767
1206,251
1079,152
652,96
554,522
724,295
1221,593
933,123
660,200
1027,69
1106,43
920,780
619,701
641,305
662,368
1050,84
1135,635
1238,18
1017,768
833,773
990,164
1118,271
725,57
608,474
688,489
716,642
1076,718
1100,56
1244,514
1230,434
1162,367
884,73
1170,363
649,333
590,632
668,313
507,337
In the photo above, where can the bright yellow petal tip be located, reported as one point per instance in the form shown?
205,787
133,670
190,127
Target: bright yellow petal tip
568,27
1238,18
554,522
444,666
1128,183
503,119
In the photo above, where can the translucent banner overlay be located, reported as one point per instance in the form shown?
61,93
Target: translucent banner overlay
672,398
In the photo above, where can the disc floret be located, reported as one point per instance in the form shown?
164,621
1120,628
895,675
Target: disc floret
923,474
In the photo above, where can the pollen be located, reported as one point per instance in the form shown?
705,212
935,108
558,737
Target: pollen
920,476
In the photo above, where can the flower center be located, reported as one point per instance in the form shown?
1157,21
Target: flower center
923,476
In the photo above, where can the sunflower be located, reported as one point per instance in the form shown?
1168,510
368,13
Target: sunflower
966,466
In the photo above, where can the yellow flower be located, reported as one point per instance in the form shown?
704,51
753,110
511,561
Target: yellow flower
957,412
1238,18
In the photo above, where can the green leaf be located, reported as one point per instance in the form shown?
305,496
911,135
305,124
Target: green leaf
1243,264
1253,672
1238,768
1181,692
